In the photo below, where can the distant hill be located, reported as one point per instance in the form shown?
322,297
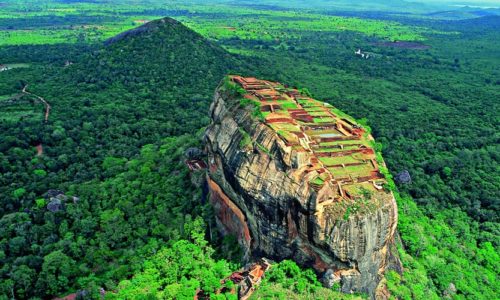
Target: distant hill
473,26
465,13
345,5
161,50
489,22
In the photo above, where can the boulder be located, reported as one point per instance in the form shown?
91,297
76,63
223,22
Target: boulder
403,177
55,205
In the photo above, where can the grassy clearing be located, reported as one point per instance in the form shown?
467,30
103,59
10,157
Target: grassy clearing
288,105
285,127
319,114
323,120
329,161
354,171
60,36
18,65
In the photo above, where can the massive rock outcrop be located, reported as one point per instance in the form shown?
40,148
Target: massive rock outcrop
296,178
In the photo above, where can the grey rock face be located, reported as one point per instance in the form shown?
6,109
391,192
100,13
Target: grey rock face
193,153
260,198
329,279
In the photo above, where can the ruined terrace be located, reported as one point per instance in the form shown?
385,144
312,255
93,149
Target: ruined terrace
328,145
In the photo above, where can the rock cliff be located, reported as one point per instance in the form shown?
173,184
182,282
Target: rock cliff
296,178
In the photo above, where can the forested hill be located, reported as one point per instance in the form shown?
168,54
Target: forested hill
162,61
162,54
106,143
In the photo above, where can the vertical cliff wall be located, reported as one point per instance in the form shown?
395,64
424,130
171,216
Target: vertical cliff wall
295,178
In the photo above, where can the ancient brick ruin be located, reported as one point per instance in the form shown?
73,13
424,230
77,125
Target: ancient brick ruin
339,152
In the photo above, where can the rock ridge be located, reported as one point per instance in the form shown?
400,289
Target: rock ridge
295,178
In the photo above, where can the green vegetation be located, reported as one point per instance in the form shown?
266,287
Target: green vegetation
324,120
120,115
246,140
423,237
285,134
288,105
256,113
287,281
104,240
235,90
317,181
179,271
329,161
347,213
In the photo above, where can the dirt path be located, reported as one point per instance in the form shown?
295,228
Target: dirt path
47,105
39,147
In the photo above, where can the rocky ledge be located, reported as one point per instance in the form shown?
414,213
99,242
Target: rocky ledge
293,177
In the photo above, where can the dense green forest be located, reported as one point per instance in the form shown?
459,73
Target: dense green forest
134,193
108,198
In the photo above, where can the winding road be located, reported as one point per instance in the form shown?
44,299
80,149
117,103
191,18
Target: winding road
47,105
